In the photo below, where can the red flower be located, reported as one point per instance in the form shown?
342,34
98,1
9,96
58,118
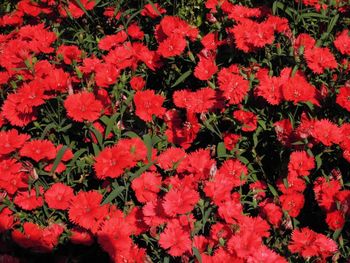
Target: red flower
171,157
172,46
342,42
235,171
180,201
80,236
205,69
12,178
58,196
110,41
83,107
318,59
38,150
292,202
233,85
106,74
230,140
152,10
147,104
114,238
11,140
111,162
147,186
300,163
137,83
309,244
326,132
176,240
296,88
69,53
270,88
335,220
28,200
343,97
248,119
6,220
86,211
272,213
199,101
250,35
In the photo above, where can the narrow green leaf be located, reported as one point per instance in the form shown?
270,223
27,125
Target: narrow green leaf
182,78
148,142
197,254
113,195
58,158
272,190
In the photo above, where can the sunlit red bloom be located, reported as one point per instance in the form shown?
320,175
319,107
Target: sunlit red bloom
11,140
248,120
106,74
69,53
326,132
83,107
318,59
250,35
170,158
270,87
114,238
235,170
86,210
112,161
335,220
271,212
148,104
343,98
37,238
180,201
230,140
58,196
135,32
38,150
308,244
175,240
233,85
147,186
301,163
110,41
199,101
172,46
137,83
205,69
12,178
342,42
292,202
296,88
29,200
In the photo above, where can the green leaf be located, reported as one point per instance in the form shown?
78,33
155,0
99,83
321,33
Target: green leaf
110,123
182,78
197,254
116,191
221,150
154,7
58,158
148,142
318,161
272,190
98,136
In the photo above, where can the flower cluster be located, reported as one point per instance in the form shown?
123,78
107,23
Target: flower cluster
216,131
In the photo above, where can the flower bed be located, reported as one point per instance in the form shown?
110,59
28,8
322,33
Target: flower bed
177,131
